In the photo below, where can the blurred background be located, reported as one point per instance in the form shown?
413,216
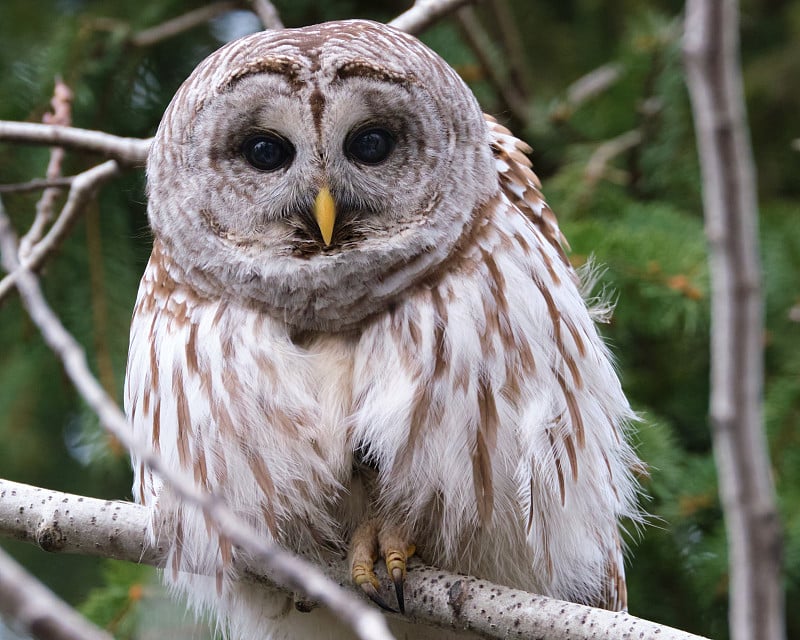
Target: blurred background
597,88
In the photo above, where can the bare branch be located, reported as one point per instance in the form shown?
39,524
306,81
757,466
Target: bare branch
185,22
32,608
37,184
711,48
288,569
84,186
424,13
126,151
597,166
62,115
511,41
74,524
592,84
267,13
480,44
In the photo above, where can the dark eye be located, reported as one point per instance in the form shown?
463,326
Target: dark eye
267,152
370,146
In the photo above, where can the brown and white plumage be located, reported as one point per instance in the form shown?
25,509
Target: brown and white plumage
433,367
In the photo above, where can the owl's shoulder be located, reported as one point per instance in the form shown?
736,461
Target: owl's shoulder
520,187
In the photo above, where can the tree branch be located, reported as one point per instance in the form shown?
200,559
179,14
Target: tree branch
126,151
37,184
84,186
597,166
424,13
285,568
480,43
176,26
61,115
36,610
711,48
267,13
511,42
61,522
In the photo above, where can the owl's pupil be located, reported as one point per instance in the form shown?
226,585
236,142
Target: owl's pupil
371,146
267,152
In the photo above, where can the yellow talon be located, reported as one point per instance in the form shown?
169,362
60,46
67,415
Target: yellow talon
369,541
363,574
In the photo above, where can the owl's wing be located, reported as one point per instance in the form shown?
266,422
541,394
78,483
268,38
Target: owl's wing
490,406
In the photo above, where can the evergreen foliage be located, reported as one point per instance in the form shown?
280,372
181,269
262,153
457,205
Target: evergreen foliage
637,214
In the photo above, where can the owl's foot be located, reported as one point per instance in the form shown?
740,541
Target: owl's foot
369,540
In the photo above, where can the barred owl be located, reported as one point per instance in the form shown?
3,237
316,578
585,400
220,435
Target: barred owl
359,327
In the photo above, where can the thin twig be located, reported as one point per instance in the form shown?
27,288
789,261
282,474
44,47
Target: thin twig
584,89
267,13
126,151
61,115
37,184
712,58
481,45
511,42
287,569
593,83
83,188
185,22
67,523
424,13
33,609
597,166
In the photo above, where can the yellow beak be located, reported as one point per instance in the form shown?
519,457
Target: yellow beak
325,214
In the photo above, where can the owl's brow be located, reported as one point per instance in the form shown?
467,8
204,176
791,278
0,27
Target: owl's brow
289,68
364,69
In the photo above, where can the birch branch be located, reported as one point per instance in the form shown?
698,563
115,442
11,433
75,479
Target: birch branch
35,610
126,151
61,522
711,49
424,13
287,569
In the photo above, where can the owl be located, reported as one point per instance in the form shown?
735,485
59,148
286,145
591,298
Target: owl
359,327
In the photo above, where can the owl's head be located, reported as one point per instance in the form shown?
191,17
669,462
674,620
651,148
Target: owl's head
318,172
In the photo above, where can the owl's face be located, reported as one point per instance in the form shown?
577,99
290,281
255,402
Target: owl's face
318,172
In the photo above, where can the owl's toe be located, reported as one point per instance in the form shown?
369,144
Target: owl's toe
396,550
369,539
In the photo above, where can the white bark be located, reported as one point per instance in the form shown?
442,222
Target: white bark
127,151
60,522
711,48
424,13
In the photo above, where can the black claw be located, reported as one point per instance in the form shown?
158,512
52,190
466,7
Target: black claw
373,595
397,578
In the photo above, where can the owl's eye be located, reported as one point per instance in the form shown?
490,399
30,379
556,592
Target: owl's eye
267,152
370,146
